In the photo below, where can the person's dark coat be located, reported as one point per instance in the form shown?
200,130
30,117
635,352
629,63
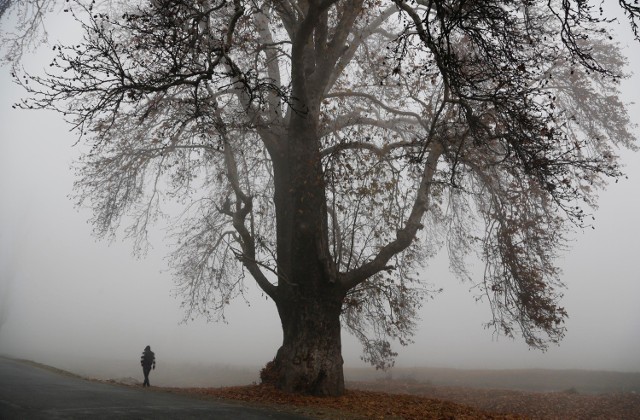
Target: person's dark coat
148,362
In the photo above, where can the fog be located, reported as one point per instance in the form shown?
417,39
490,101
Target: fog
78,303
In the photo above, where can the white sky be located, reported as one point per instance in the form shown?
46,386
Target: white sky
69,295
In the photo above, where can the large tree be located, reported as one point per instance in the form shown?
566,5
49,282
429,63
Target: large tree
327,148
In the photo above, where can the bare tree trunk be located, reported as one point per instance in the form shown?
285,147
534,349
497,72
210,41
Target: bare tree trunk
309,302
310,358
308,297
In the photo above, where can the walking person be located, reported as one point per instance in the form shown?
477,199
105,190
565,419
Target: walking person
148,362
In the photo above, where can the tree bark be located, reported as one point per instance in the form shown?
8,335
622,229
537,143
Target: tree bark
308,297
310,358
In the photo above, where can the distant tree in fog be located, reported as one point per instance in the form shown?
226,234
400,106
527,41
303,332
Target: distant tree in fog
329,148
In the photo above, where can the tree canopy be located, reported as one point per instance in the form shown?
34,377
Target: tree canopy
328,148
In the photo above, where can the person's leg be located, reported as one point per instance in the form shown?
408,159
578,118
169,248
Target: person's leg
146,371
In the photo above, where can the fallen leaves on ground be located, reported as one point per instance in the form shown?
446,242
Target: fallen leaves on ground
565,405
354,404
391,399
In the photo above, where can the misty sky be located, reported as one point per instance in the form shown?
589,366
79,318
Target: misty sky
68,294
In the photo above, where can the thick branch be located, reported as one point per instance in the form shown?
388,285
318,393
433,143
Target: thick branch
395,125
243,208
404,236
360,145
273,64
373,100
348,54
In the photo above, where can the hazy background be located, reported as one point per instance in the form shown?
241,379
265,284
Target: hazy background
68,300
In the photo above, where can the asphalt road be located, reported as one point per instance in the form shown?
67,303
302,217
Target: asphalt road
31,392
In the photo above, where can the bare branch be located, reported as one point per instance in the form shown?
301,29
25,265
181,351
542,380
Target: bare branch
405,236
